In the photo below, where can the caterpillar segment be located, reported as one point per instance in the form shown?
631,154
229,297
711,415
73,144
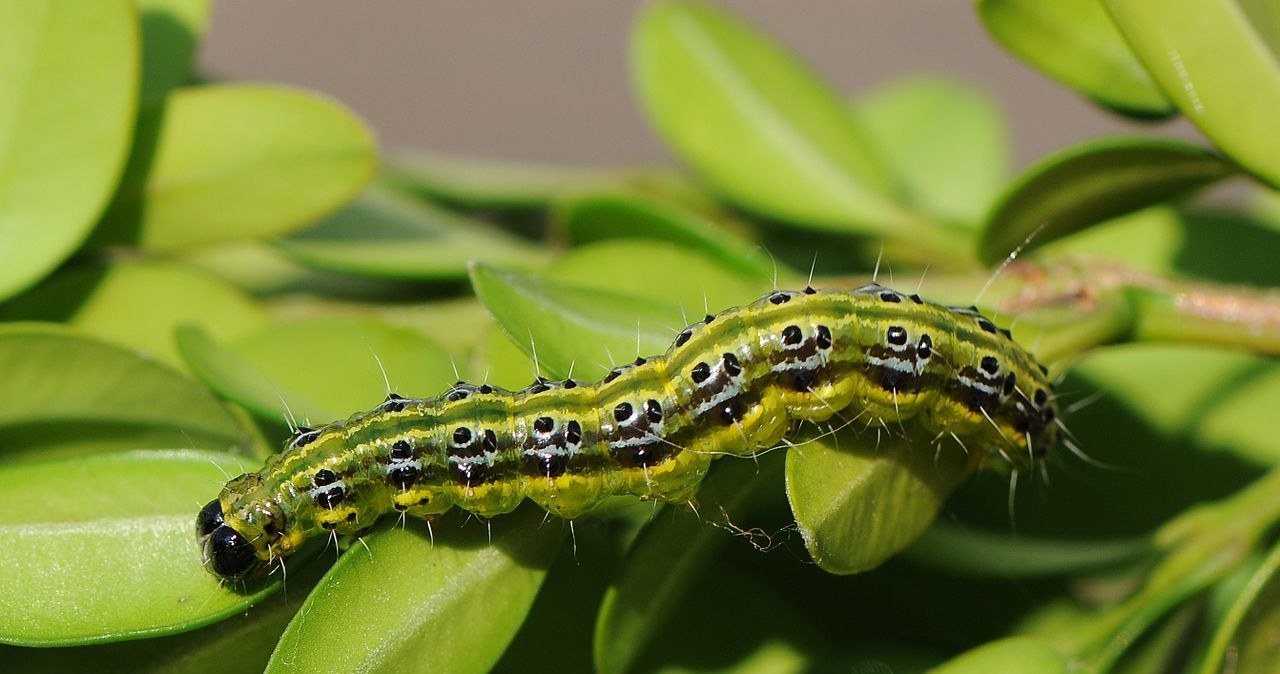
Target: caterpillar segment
731,384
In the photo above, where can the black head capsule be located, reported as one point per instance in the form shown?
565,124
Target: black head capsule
210,518
229,555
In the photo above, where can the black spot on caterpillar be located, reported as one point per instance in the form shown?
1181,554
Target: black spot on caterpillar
732,384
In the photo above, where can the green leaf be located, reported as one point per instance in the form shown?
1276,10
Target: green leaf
384,234
240,380
260,268
115,561
945,138
1218,60
1245,642
414,606
1024,655
64,393
229,162
756,122
609,214
250,636
171,31
669,556
471,182
1091,182
862,498
695,282
68,91
340,362
138,304
961,550
1076,43
503,362
574,328
327,367
458,324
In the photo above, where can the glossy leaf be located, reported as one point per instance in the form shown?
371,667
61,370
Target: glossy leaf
1025,655
1086,184
473,182
171,32
574,328
138,304
1245,642
340,362
1218,61
610,214
118,561
64,393
947,141
966,551
451,606
242,381
234,162
1076,43
757,123
459,324
384,234
241,644
320,369
260,268
718,627
668,557
675,274
68,93
862,498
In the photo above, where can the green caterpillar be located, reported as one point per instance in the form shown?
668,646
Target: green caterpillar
732,384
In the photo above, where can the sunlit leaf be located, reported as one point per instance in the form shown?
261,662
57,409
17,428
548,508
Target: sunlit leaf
1092,182
1219,61
118,561
1076,43
231,162
68,93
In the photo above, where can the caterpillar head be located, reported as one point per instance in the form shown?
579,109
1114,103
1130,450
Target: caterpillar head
239,529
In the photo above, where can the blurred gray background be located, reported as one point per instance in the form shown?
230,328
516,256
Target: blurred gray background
548,80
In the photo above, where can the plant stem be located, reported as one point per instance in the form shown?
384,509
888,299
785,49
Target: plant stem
1201,546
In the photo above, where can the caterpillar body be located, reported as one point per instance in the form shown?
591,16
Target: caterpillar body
732,384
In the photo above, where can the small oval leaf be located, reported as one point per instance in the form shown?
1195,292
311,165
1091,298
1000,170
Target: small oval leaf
609,214
946,139
229,162
1076,43
117,561
475,183
388,235
1091,182
347,364
68,95
63,392
1220,63
317,370
758,123
573,328
859,499
668,557
138,304
240,380
411,605
676,274
1025,655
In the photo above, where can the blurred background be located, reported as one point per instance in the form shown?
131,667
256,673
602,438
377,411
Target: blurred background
547,81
